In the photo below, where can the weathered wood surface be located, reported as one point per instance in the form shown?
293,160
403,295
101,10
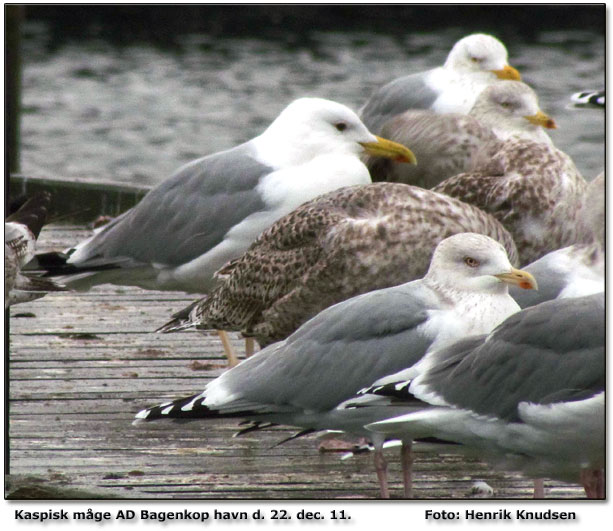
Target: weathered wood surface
81,365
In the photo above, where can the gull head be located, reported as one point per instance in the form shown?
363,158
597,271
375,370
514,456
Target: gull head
475,263
512,108
311,127
480,53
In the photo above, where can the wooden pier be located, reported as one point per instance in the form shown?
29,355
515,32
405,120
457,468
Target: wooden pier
81,364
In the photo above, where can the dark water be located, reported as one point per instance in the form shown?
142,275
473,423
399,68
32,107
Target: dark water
134,112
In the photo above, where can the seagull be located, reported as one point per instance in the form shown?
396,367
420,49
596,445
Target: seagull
332,248
473,63
532,188
213,208
21,230
530,395
579,269
446,144
302,380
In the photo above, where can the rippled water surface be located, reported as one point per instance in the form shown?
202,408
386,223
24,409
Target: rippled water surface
135,113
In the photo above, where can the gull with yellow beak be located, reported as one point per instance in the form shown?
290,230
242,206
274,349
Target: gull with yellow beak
213,208
473,63
307,379
446,144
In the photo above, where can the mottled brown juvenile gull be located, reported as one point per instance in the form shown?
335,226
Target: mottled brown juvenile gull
212,208
300,381
445,144
532,188
579,269
528,396
337,246
473,63
21,230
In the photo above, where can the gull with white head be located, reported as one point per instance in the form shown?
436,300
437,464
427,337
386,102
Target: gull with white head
473,63
212,209
448,144
366,338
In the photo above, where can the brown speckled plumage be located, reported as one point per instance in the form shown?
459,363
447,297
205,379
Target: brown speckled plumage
532,188
443,144
340,245
20,232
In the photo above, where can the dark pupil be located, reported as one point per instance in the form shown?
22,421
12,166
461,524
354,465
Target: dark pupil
341,126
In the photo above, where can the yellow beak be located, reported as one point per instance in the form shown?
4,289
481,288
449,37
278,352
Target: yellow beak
508,72
520,278
540,118
388,149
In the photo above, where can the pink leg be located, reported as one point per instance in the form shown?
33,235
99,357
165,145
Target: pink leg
539,489
228,349
381,468
249,346
593,482
406,456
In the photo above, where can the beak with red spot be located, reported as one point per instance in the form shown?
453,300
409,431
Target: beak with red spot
542,120
520,278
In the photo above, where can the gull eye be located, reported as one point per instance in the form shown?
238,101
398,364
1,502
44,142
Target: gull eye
471,262
340,126
476,59
505,105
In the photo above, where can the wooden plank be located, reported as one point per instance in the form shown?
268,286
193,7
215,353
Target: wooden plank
85,362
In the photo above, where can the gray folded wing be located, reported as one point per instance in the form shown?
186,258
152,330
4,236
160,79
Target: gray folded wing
408,92
187,214
546,354
573,271
338,352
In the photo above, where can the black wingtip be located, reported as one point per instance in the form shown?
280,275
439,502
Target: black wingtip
180,320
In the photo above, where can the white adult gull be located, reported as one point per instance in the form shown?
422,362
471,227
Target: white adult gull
528,396
473,63
298,381
446,144
212,208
